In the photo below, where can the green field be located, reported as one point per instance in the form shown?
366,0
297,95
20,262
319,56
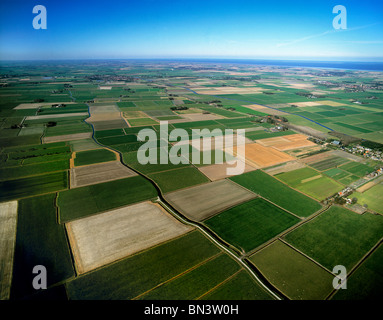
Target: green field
84,201
367,281
142,122
277,192
178,178
328,163
40,240
310,182
373,197
196,282
93,156
292,273
250,224
337,237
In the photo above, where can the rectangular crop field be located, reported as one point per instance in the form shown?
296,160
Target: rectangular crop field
296,276
98,173
40,240
373,197
250,224
104,238
93,156
8,218
178,178
84,201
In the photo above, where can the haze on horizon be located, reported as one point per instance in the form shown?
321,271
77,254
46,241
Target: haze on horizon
150,29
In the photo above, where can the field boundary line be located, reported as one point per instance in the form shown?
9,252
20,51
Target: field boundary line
179,275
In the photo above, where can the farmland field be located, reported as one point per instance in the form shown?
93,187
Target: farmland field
34,185
372,197
39,232
337,237
93,156
367,281
108,224
97,173
248,225
201,202
310,182
178,178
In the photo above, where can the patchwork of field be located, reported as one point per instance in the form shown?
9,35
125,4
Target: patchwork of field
367,281
107,237
98,173
197,269
201,202
8,218
250,224
296,276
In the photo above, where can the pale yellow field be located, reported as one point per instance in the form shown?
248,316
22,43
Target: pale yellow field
106,237
8,218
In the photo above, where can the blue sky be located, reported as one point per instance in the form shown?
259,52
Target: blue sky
192,29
